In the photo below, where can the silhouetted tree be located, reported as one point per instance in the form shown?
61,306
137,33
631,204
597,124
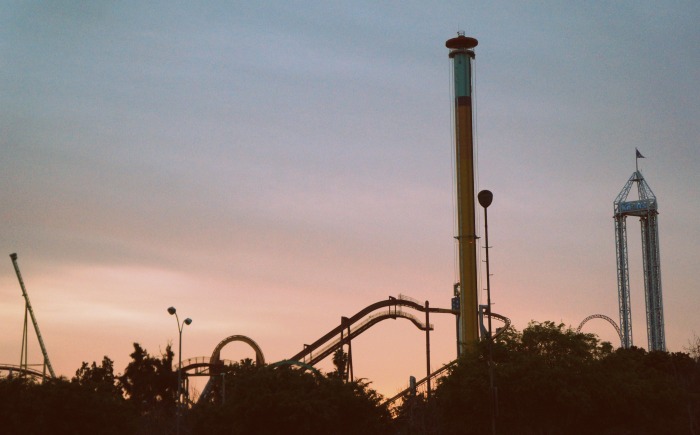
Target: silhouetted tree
340,361
61,407
273,400
693,347
150,385
98,378
553,380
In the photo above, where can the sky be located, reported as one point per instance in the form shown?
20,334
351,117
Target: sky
268,167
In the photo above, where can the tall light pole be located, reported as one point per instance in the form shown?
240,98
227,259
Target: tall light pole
187,321
485,198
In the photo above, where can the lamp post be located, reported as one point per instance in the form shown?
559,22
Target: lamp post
180,326
485,198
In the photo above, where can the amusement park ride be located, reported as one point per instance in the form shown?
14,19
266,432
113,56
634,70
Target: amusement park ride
470,316
645,208
23,368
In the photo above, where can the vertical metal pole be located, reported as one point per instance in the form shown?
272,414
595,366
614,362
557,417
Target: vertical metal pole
346,374
456,304
488,296
485,198
23,359
623,287
351,371
223,388
427,345
346,370
180,326
488,271
179,378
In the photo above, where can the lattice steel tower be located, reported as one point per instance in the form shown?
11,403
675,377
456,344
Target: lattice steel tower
646,209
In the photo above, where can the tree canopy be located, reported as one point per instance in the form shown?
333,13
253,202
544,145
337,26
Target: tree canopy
150,384
273,400
100,379
553,380
60,406
549,379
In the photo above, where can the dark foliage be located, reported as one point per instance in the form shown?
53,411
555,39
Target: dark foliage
274,400
61,407
100,378
150,385
340,361
552,380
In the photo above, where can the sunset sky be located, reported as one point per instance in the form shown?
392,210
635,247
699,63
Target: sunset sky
268,167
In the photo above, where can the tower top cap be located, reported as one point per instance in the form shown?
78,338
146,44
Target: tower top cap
461,41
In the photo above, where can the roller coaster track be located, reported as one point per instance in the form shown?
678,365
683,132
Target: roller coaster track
202,365
347,323
607,319
215,367
335,338
24,371
367,323
393,402
303,366
259,357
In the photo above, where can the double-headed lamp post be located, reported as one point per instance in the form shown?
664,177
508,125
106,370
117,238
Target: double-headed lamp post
187,321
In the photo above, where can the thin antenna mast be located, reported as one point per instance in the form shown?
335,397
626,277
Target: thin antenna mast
28,307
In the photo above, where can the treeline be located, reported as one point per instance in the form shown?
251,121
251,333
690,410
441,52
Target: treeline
548,379
95,400
142,400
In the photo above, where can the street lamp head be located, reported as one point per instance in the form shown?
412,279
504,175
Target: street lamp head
485,198
188,321
172,310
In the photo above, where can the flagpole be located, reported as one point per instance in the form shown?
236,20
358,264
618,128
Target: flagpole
637,156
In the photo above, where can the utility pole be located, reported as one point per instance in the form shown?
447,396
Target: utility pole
427,346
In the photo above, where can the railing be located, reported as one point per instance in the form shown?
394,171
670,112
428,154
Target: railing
393,403
200,365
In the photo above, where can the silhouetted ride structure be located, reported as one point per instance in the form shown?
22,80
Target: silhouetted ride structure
607,319
23,369
645,208
335,339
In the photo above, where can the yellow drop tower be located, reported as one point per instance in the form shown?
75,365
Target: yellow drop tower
462,53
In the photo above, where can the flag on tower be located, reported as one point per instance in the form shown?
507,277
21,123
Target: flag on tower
639,155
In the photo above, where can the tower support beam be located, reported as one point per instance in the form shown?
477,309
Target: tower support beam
623,285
